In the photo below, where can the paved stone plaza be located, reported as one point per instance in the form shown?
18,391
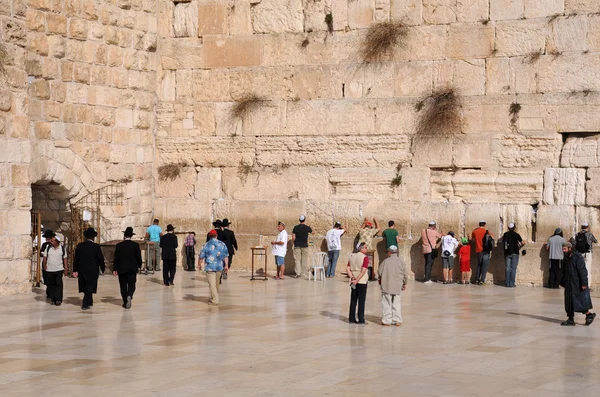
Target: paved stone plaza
291,338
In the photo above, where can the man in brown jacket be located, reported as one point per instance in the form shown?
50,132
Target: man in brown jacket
392,277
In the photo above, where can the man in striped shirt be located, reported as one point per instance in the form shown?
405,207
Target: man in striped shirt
190,243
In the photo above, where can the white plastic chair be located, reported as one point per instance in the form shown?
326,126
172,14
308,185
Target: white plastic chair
319,261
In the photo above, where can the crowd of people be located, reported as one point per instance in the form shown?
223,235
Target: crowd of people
569,262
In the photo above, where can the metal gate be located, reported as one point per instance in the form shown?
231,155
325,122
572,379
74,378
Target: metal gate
86,212
35,274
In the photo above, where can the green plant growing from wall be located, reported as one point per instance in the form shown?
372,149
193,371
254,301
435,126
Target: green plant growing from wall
304,43
247,103
329,22
381,39
397,181
440,114
3,59
533,57
170,171
513,112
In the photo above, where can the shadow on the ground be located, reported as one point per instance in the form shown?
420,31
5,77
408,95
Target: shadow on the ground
41,299
72,300
536,317
334,316
190,297
372,319
112,300
156,281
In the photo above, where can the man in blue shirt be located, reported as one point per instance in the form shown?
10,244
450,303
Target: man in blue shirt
215,256
153,233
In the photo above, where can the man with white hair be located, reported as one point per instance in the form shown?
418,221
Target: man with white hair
583,242
429,243
392,277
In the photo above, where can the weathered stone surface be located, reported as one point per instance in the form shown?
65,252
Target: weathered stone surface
182,53
543,8
580,152
439,11
549,217
408,11
230,52
564,186
472,10
361,13
517,151
273,16
581,6
506,9
592,187
185,19
521,37
504,187
470,40
569,34
212,18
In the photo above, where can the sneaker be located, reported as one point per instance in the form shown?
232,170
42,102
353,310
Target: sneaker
213,303
128,304
589,319
124,306
52,303
568,322
428,282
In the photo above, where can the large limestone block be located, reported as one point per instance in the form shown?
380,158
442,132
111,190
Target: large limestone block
498,79
441,185
185,214
182,186
433,153
589,215
472,10
592,187
211,85
212,18
472,151
231,52
284,183
503,187
395,118
413,78
185,19
314,15
240,18
580,152
469,76
518,151
581,7
431,42
506,9
268,119
339,151
339,8
439,11
361,14
407,11
490,213
543,8
363,183
521,37
269,83
392,210
329,118
569,34
313,82
521,215
549,217
470,40
276,16
449,217
564,186
182,53
208,184
548,74
207,151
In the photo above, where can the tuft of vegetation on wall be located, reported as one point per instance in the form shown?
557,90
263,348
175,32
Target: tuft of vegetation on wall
170,171
246,104
381,39
440,114
329,22
513,112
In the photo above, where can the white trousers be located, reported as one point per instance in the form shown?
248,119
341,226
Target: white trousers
392,311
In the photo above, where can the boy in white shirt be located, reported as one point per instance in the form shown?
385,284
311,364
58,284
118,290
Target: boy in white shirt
449,246
279,249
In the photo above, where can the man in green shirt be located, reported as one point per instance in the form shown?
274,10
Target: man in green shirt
390,235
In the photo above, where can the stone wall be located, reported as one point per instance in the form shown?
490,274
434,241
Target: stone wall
329,133
270,113
77,112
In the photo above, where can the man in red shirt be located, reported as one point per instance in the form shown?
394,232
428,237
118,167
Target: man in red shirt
479,236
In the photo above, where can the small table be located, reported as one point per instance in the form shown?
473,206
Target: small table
259,251
371,256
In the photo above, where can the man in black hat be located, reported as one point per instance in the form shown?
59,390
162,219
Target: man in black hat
230,242
88,264
168,244
577,289
55,262
218,225
128,260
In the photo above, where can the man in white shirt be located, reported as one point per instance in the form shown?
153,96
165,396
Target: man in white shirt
279,249
55,260
449,246
334,245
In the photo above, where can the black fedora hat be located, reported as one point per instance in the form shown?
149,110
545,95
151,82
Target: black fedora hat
90,233
48,234
170,228
226,222
217,223
128,231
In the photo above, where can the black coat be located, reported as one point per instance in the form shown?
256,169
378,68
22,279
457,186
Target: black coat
230,241
128,257
88,262
574,277
220,235
168,243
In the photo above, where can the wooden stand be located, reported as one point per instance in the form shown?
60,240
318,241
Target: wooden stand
258,251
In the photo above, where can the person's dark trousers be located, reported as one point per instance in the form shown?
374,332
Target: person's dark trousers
511,261
88,299
127,283
190,256
483,260
428,266
54,285
555,273
168,271
358,295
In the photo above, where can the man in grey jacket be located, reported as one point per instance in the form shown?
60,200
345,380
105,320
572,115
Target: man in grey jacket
392,277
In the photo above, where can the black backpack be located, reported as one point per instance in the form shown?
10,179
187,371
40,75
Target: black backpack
488,243
581,243
50,245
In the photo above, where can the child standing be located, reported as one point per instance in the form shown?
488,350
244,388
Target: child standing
464,255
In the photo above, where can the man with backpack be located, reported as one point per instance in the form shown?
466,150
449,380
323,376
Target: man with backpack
583,243
55,261
484,244
512,242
